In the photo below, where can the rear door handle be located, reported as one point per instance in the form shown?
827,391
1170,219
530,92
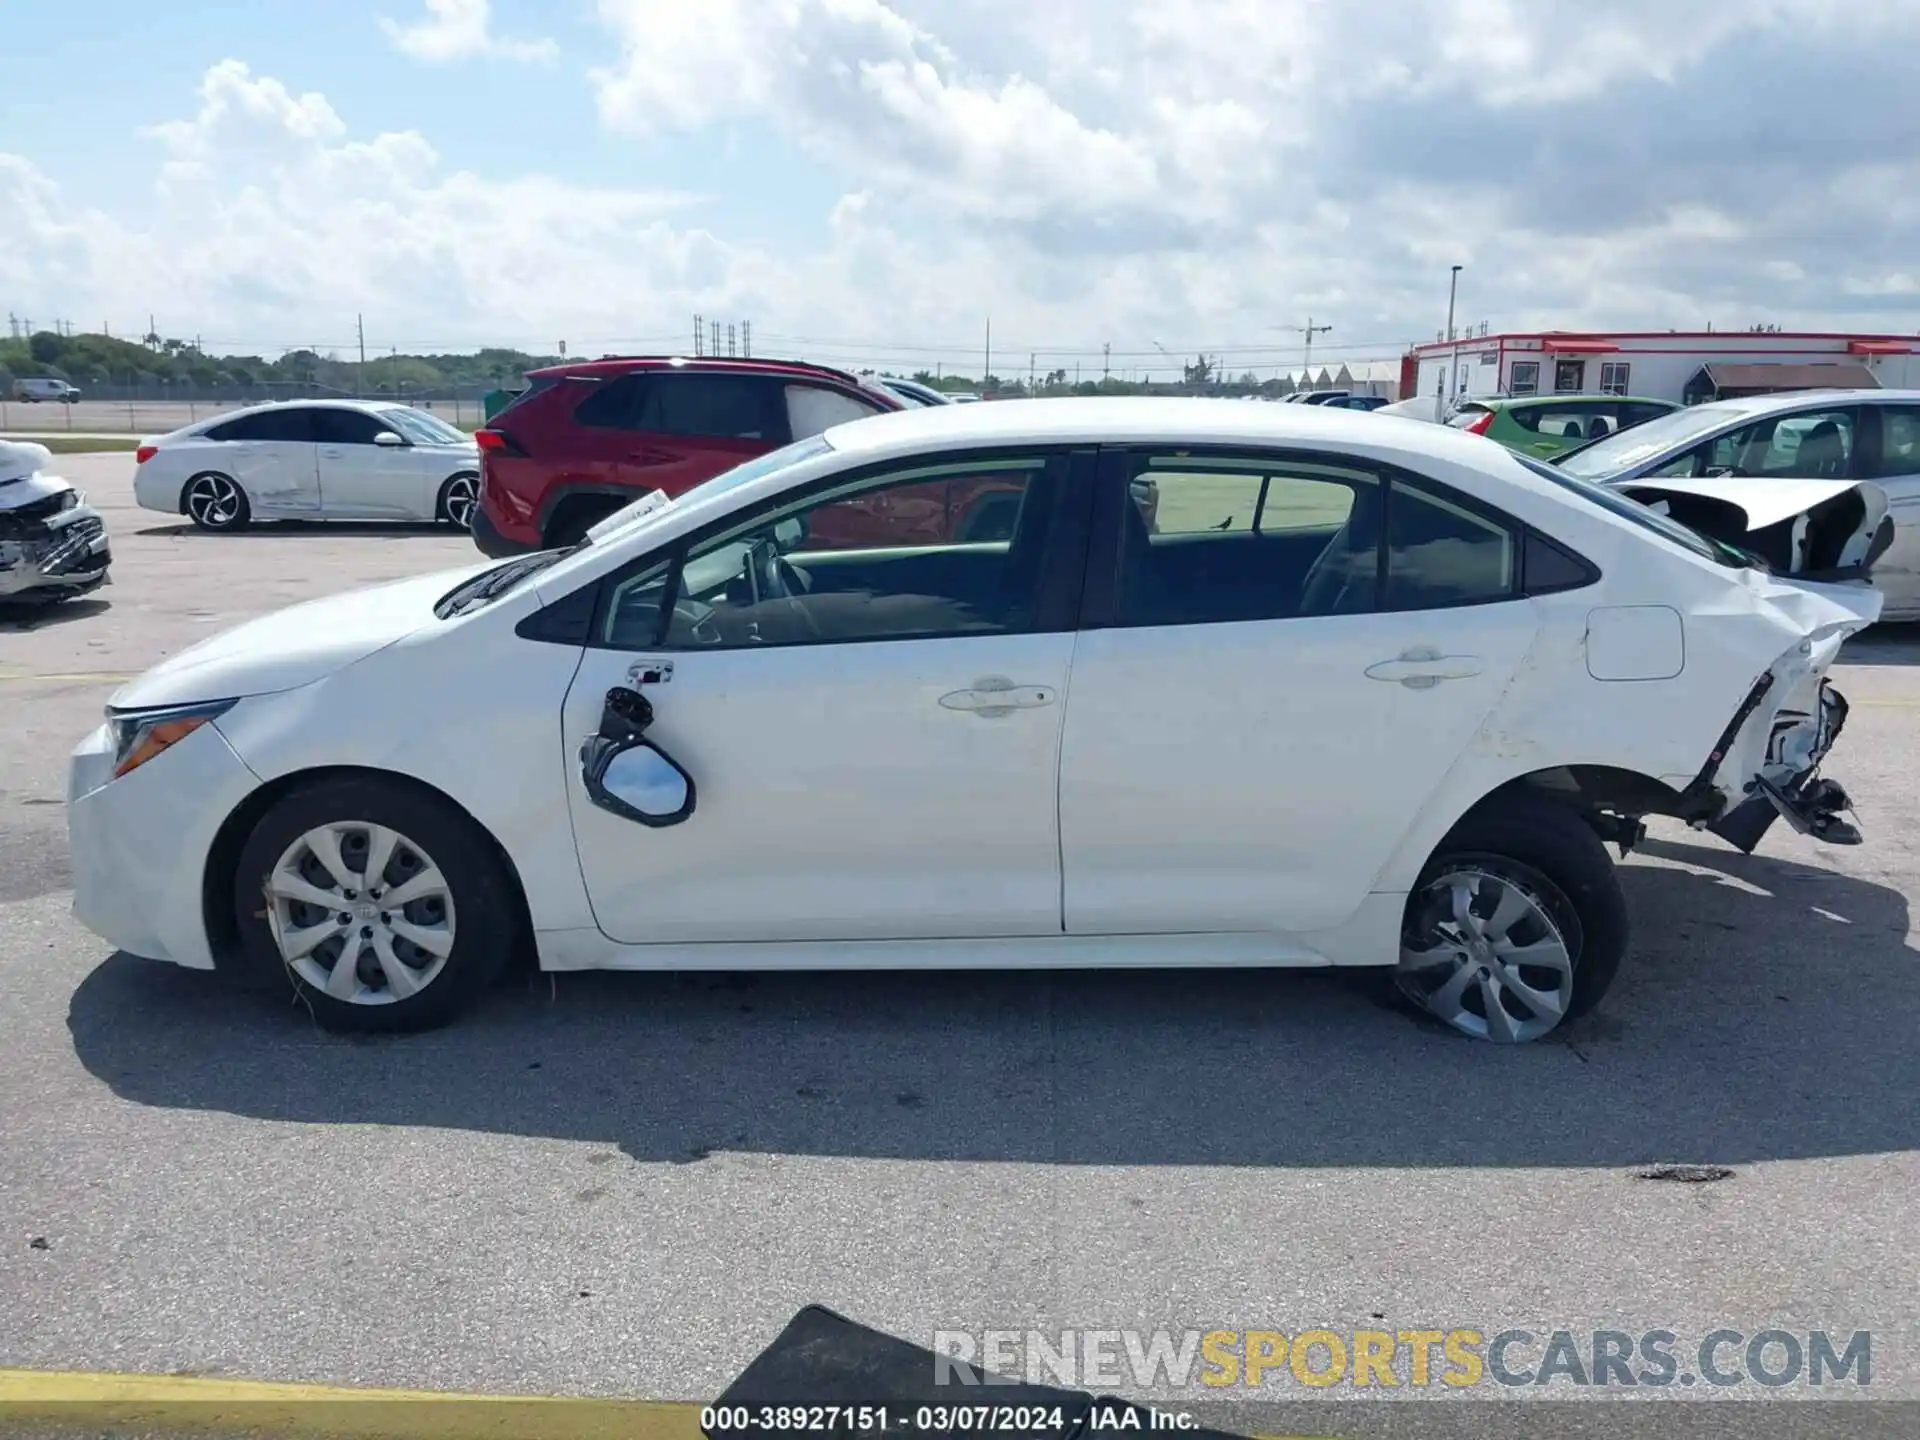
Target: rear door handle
331,454
1423,667
995,696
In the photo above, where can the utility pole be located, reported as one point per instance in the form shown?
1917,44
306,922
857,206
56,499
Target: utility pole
986,364
1309,330
699,342
1453,370
746,338
360,375
1030,369
1106,360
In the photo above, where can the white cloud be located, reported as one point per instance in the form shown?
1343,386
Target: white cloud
1089,170
462,30
271,224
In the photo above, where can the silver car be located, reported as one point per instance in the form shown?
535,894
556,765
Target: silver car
1819,435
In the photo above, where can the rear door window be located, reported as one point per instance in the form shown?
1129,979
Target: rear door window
291,424
723,407
720,407
1569,422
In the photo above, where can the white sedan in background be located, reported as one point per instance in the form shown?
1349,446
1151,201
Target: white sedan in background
311,460
1369,693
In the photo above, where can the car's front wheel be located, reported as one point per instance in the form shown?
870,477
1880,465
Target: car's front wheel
1516,924
384,906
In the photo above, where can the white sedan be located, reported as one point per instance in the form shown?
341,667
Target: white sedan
311,460
1370,693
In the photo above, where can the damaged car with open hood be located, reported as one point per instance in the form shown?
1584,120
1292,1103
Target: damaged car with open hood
1360,692
53,545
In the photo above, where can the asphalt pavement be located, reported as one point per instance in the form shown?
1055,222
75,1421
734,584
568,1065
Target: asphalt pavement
625,1185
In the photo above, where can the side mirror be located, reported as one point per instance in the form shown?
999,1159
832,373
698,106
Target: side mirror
388,438
628,775
789,533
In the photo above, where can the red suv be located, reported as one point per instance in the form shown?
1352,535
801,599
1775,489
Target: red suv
583,440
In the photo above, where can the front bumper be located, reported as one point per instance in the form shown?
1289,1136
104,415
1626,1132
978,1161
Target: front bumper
140,842
72,554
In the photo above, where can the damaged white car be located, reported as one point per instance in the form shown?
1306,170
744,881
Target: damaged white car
1365,692
53,545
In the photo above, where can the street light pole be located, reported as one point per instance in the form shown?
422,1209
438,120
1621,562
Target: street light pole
1453,373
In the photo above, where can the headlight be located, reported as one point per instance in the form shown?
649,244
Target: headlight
139,735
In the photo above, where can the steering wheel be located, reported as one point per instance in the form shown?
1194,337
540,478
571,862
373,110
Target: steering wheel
698,621
768,572
773,578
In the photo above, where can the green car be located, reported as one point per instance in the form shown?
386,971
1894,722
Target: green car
1547,425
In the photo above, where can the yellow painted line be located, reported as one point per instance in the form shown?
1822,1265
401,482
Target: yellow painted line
185,1405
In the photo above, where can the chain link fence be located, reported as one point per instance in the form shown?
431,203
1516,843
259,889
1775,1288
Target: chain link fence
136,405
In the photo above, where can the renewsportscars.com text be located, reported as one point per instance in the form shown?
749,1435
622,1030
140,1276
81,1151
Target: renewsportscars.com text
1456,1358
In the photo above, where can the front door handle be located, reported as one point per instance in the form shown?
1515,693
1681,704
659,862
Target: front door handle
1423,667
995,696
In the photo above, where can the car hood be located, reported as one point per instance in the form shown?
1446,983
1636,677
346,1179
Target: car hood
295,646
22,480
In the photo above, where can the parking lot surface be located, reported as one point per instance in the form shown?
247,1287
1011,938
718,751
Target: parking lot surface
626,1184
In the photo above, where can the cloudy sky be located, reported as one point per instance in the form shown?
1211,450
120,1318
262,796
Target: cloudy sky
870,180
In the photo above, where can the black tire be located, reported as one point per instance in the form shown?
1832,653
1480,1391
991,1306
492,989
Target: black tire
204,517
1550,849
443,508
486,922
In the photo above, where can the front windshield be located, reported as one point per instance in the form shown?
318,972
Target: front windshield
1623,449
422,428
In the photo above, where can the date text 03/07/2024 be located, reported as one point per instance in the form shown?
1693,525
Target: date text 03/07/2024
719,1420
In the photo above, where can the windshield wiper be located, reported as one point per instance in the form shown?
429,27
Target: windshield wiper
483,588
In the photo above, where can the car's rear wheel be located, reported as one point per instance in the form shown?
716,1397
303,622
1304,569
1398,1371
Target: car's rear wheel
382,905
214,501
1517,923
457,499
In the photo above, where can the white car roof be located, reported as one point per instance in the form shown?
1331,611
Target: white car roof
1133,419
1798,399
